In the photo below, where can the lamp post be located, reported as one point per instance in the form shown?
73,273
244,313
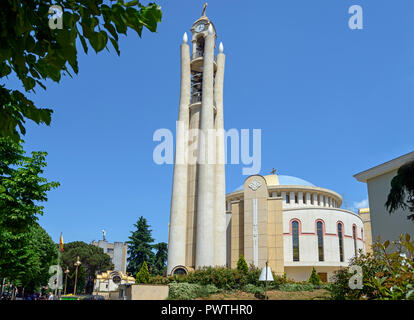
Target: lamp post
66,278
266,275
77,264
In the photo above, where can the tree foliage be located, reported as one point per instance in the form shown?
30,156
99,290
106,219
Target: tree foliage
22,189
140,246
29,266
34,52
93,260
314,278
242,265
160,259
387,273
402,190
223,278
143,275
45,251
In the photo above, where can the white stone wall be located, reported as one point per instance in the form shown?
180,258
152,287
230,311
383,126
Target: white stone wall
107,285
298,199
308,241
303,273
385,225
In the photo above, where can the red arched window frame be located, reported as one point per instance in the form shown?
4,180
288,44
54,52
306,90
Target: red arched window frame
340,231
295,228
320,233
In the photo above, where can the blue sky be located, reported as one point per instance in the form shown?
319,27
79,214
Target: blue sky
330,102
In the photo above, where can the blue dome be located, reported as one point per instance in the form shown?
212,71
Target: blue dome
281,180
293,181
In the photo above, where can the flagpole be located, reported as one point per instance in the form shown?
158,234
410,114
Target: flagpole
58,268
60,248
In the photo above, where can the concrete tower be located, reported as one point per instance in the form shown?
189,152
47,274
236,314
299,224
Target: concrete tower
197,230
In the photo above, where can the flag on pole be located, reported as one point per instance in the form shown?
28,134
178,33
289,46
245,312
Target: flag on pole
61,242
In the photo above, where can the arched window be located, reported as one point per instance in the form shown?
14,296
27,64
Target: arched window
341,242
180,270
295,240
362,234
355,240
287,199
319,231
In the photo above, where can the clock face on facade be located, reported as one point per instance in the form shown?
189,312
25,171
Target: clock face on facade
200,27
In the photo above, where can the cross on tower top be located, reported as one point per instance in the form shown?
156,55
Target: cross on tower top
273,171
204,9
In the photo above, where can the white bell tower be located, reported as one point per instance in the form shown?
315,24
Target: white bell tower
197,230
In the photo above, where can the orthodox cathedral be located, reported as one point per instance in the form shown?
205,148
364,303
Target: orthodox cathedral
281,220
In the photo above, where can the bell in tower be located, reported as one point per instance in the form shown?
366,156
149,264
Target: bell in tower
197,229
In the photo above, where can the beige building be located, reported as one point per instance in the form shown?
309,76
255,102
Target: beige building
293,225
378,180
117,251
197,229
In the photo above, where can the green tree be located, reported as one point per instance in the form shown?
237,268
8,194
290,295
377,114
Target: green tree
34,52
314,278
22,189
242,265
160,260
93,259
143,275
387,273
140,246
45,252
402,190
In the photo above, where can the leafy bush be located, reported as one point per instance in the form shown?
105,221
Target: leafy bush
183,291
228,279
314,278
386,273
251,288
161,280
222,278
189,291
296,287
205,291
242,265
326,286
143,275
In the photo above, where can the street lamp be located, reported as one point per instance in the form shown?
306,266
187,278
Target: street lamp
66,278
77,264
266,276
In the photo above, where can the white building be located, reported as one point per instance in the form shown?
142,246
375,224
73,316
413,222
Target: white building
109,281
378,179
117,251
293,225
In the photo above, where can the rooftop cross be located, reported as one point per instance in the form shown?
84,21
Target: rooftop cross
204,9
273,171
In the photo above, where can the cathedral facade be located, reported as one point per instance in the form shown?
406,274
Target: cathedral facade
294,226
